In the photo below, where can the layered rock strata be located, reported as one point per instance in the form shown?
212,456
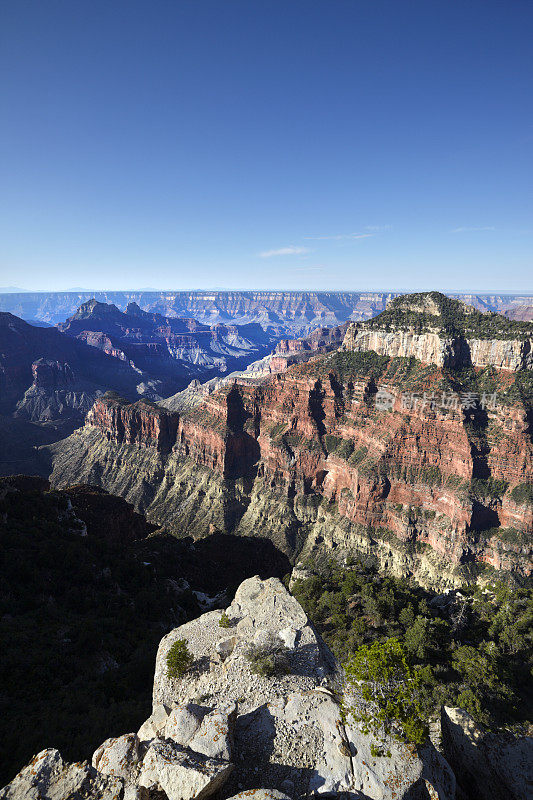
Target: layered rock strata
431,348
312,462
295,312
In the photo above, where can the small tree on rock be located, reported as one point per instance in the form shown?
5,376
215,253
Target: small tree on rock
179,659
390,691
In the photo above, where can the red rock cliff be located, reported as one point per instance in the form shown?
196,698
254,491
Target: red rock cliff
140,423
426,475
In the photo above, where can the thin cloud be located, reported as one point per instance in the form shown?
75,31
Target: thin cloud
285,251
366,232
342,236
319,268
466,229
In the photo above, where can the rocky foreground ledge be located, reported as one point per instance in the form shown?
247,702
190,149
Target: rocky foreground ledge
223,731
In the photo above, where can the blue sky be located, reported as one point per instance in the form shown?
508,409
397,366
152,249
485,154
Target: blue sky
286,144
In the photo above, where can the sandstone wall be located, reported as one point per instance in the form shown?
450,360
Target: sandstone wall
431,348
312,463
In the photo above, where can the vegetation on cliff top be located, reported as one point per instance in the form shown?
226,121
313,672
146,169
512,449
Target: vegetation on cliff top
472,649
433,311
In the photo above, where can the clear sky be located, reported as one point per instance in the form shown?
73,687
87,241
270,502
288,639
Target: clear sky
287,144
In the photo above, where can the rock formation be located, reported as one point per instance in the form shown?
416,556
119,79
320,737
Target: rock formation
492,766
56,394
294,313
47,776
48,361
294,351
436,330
171,350
221,728
314,458
51,380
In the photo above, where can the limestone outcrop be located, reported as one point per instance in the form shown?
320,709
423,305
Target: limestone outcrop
289,730
429,348
437,330
432,348
48,777
223,728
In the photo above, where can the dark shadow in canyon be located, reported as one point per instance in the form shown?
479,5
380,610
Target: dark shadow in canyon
316,407
338,391
483,517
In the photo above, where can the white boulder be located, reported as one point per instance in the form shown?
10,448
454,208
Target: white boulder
119,756
48,777
155,723
183,722
214,737
181,773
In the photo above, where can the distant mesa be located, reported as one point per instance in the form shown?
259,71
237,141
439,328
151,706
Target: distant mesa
289,314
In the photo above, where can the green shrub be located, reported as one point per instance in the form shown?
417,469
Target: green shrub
348,365
277,430
391,690
224,621
354,606
269,659
341,447
179,659
482,488
358,455
523,494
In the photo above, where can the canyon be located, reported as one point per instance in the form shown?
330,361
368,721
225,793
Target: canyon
50,377
171,350
328,455
296,313
394,448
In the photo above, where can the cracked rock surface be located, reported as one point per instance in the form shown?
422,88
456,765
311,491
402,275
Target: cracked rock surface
221,730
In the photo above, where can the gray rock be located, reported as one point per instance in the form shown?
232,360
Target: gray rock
155,724
214,738
304,733
487,766
119,756
225,647
300,573
183,722
181,773
48,777
132,792
260,794
289,731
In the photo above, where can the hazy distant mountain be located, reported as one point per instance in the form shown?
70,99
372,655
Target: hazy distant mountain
173,350
289,314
